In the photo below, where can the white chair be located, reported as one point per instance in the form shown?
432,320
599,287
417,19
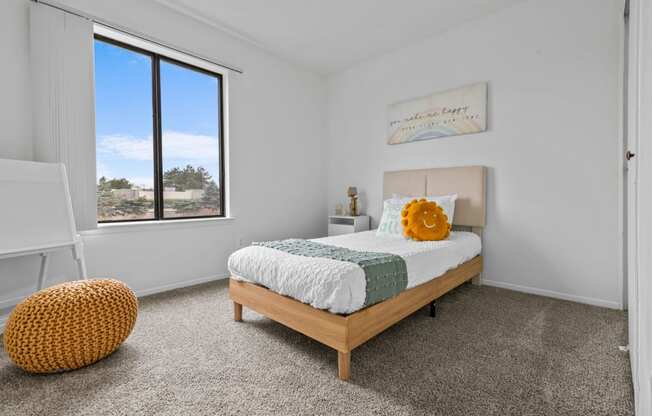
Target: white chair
36,214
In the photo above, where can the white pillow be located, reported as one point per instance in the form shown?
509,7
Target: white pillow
390,222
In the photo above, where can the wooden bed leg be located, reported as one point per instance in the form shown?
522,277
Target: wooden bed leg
477,280
433,309
344,365
237,312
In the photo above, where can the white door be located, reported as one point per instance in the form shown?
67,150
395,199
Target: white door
639,201
630,179
631,206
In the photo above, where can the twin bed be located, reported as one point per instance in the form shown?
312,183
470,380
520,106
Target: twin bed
327,299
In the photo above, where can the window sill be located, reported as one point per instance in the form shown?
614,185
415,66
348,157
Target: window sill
146,226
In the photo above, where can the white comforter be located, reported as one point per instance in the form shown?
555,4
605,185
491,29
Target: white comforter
339,286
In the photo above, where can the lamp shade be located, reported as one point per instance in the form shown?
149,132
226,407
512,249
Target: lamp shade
352,191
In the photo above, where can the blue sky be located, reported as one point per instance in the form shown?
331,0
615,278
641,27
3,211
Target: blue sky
123,117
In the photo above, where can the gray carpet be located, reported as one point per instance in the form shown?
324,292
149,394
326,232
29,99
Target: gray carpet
488,352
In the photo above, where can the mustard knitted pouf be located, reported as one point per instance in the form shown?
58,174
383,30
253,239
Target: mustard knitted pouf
70,325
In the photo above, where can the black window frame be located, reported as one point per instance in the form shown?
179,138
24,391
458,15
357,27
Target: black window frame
157,133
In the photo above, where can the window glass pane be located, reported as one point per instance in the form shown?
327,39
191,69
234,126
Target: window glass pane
123,119
190,123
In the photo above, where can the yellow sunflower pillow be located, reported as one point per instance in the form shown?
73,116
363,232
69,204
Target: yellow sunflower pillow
424,220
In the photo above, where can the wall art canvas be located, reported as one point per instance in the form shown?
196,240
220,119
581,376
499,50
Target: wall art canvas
442,114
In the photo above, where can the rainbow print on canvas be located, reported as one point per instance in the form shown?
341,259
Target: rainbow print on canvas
448,113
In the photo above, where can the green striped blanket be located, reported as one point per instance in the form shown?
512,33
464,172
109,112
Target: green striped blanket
385,274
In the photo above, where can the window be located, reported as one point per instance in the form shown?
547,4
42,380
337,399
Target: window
159,135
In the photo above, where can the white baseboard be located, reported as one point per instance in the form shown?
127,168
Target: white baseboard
504,285
8,303
179,285
140,293
553,294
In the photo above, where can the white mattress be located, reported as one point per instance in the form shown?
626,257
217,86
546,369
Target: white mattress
340,286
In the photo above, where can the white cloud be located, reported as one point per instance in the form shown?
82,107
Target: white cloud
190,146
126,147
176,145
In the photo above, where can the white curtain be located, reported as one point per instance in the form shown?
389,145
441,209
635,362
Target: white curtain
64,102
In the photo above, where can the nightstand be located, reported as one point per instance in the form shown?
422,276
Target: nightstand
346,224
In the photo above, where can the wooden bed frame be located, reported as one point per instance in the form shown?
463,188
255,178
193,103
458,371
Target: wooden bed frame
346,332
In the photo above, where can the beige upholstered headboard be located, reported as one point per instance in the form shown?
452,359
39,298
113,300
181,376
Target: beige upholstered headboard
468,182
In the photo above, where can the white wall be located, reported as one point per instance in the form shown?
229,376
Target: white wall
277,174
553,146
